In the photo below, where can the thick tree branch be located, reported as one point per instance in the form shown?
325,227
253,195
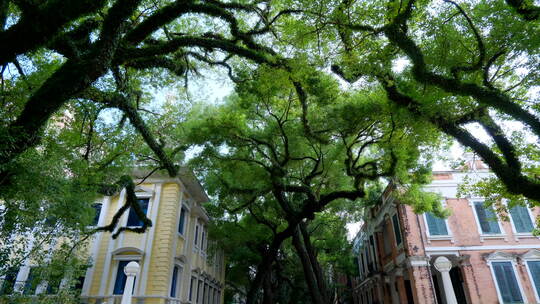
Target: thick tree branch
121,102
526,9
42,25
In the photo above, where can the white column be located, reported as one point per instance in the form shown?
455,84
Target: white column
443,265
131,270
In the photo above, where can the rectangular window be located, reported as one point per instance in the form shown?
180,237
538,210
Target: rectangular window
203,237
174,282
534,268
121,278
436,225
191,286
133,218
182,221
521,218
487,219
196,239
507,283
397,230
97,212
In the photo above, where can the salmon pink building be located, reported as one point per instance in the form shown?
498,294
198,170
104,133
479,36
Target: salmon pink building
472,257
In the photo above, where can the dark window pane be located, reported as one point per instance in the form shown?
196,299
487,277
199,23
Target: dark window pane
97,210
121,278
9,281
133,219
174,281
397,231
182,221
196,234
79,284
191,286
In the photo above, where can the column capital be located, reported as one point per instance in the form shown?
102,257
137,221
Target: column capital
132,269
442,264
418,261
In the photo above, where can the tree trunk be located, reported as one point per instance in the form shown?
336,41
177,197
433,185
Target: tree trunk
268,295
319,276
309,273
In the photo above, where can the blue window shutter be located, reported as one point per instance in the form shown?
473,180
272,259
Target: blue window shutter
534,267
133,218
174,281
436,226
507,283
487,219
522,220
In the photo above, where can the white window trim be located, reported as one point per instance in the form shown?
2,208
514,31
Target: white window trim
430,237
115,273
204,241
194,289
537,297
150,197
196,235
186,221
99,223
484,236
179,279
399,229
518,235
514,269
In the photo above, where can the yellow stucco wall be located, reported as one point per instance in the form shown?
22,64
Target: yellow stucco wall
158,277
166,246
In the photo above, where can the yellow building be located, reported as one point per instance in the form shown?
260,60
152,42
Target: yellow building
176,264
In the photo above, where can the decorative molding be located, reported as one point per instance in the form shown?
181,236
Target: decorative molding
181,258
144,192
119,251
127,257
533,254
501,256
447,253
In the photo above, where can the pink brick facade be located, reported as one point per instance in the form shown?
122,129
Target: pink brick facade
394,272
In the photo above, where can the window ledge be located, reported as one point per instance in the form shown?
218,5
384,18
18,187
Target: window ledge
180,235
493,236
525,235
440,238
